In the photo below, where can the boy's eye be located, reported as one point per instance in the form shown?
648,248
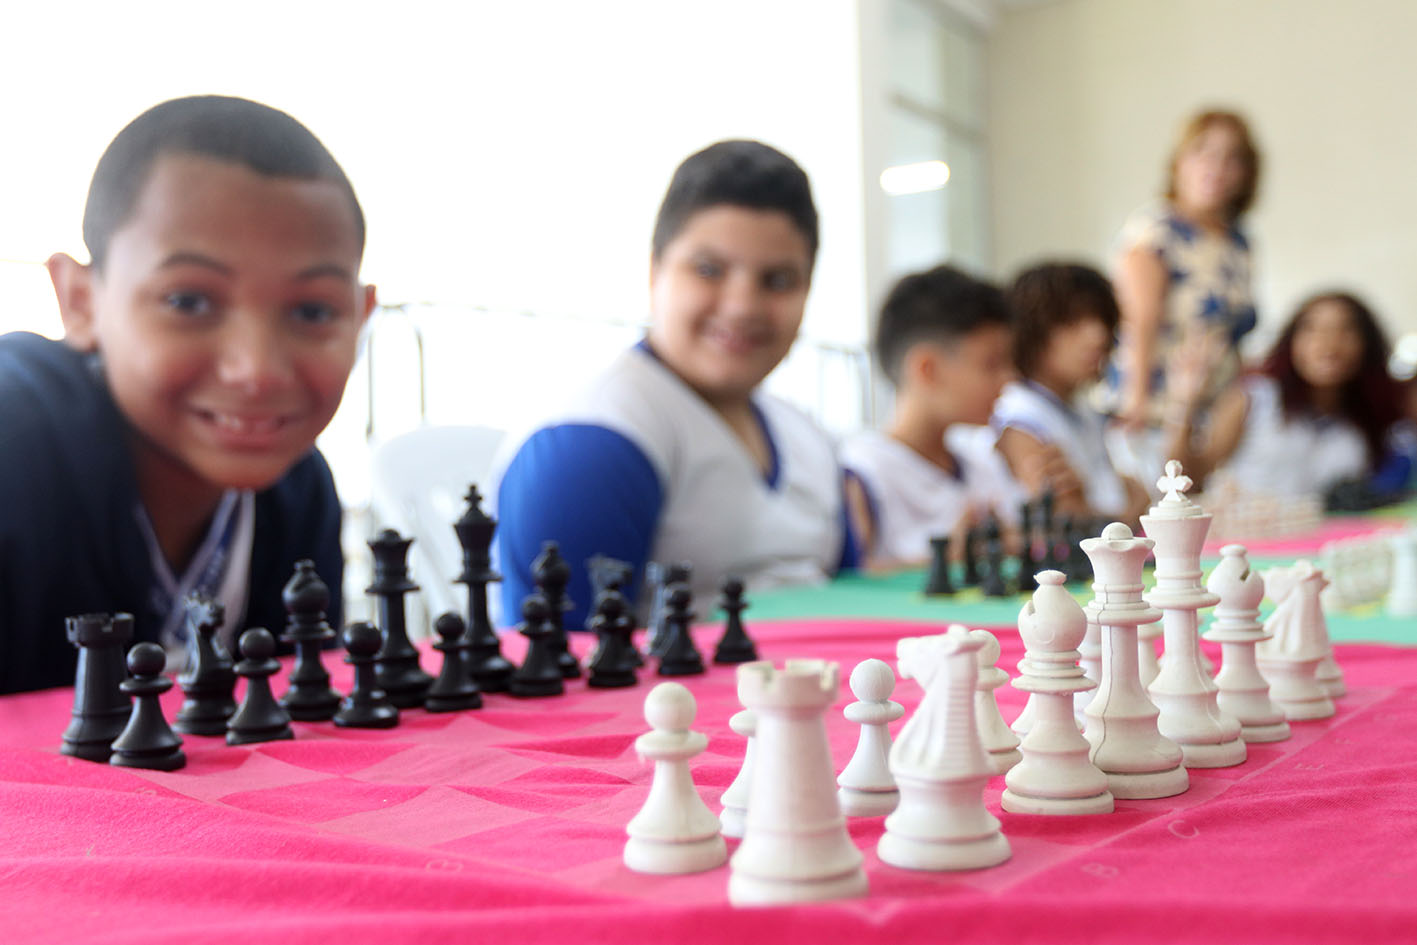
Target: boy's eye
188,303
780,280
313,313
707,269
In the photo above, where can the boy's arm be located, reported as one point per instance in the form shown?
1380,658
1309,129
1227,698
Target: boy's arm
590,489
1037,465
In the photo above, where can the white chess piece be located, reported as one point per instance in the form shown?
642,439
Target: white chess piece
940,766
1290,659
865,785
795,847
1148,663
1024,722
1184,692
1121,721
674,832
1243,691
735,798
1402,596
1090,659
1055,775
1000,743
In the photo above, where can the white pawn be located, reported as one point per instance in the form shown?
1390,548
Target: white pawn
866,788
1121,721
1290,658
732,818
674,832
795,847
999,741
1055,775
1243,691
1402,596
940,766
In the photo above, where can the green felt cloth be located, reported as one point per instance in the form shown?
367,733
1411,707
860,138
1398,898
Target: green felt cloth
898,597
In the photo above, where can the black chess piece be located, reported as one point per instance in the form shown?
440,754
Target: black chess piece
971,557
147,741
734,646
1026,582
606,573
209,683
454,690
938,580
611,574
259,717
309,697
101,707
397,663
540,672
1079,564
680,656
993,583
677,573
1048,526
613,665
366,706
552,574
483,654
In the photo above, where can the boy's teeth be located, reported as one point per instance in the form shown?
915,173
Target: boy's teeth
241,425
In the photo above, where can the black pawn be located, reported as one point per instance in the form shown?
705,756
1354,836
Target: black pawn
613,665
609,574
483,654
540,673
938,580
101,707
680,657
259,717
1026,564
971,558
366,706
1048,527
309,697
209,684
454,689
147,741
397,663
552,574
993,579
1079,564
670,575
734,646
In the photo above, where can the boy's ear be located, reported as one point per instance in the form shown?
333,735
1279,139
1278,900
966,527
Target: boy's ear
74,289
371,298
921,364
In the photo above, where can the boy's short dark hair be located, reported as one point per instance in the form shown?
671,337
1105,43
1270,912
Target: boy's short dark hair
1051,295
742,174
256,136
940,304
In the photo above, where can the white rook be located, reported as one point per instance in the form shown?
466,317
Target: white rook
795,847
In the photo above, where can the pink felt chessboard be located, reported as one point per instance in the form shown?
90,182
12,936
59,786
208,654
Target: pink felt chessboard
507,824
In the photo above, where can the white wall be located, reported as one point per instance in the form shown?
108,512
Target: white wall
1087,95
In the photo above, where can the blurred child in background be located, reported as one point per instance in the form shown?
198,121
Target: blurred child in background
674,454
943,340
1317,412
1065,326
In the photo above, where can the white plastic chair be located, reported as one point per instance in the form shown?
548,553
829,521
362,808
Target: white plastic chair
418,486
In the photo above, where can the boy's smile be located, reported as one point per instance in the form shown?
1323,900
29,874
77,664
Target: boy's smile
227,314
